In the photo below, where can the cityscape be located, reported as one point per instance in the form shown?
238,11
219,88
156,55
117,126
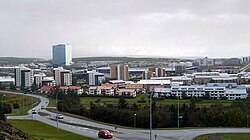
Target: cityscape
139,70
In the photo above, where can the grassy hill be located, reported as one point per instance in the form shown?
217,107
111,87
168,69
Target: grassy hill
123,59
18,60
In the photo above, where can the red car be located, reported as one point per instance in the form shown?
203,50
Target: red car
105,134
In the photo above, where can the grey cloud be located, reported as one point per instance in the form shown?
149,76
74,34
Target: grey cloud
126,27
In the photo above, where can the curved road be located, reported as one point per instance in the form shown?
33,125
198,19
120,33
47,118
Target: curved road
90,129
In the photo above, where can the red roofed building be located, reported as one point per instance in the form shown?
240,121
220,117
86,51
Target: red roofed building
45,89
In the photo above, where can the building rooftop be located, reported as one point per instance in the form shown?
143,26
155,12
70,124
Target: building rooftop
154,82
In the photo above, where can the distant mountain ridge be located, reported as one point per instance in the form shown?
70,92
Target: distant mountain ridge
19,60
123,59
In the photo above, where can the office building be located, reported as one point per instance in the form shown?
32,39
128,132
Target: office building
62,76
119,72
62,55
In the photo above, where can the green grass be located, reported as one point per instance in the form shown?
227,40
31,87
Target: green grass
52,102
109,100
40,131
202,137
225,136
242,136
29,102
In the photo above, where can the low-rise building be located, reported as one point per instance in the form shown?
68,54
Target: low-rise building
76,89
126,92
230,91
102,90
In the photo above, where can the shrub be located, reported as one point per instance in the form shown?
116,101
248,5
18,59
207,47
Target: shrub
16,106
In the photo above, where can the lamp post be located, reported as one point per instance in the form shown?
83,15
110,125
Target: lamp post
57,123
2,101
247,121
23,103
152,92
135,120
178,112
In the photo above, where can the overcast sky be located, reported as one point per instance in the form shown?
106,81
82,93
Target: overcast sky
167,28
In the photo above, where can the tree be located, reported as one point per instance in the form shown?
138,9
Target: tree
2,116
134,107
192,104
207,96
184,95
122,104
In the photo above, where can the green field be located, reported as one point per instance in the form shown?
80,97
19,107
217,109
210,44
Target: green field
52,102
224,136
114,101
25,103
40,131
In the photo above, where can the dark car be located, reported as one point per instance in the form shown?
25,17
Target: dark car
105,134
42,107
33,111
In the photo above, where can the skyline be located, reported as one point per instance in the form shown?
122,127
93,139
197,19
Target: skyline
165,28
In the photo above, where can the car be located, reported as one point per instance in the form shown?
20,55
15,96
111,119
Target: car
59,116
42,107
33,111
105,134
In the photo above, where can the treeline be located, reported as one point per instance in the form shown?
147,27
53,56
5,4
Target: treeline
164,116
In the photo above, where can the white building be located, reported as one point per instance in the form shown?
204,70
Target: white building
48,81
38,79
62,76
231,91
95,78
24,77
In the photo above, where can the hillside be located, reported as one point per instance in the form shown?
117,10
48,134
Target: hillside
7,131
17,60
123,59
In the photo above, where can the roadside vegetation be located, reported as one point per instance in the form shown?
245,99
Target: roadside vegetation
194,112
143,99
224,136
40,131
14,104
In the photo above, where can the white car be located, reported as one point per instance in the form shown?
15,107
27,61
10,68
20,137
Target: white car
59,116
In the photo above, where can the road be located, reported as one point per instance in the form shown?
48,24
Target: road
90,129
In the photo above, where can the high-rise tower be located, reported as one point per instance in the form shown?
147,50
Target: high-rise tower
62,55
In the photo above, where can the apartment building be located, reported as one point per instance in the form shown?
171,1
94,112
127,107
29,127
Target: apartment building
38,78
119,72
62,76
24,77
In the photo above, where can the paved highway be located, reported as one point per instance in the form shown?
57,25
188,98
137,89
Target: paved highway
90,129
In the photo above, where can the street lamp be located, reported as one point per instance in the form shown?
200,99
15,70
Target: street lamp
152,92
135,120
178,112
57,123
2,101
247,121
